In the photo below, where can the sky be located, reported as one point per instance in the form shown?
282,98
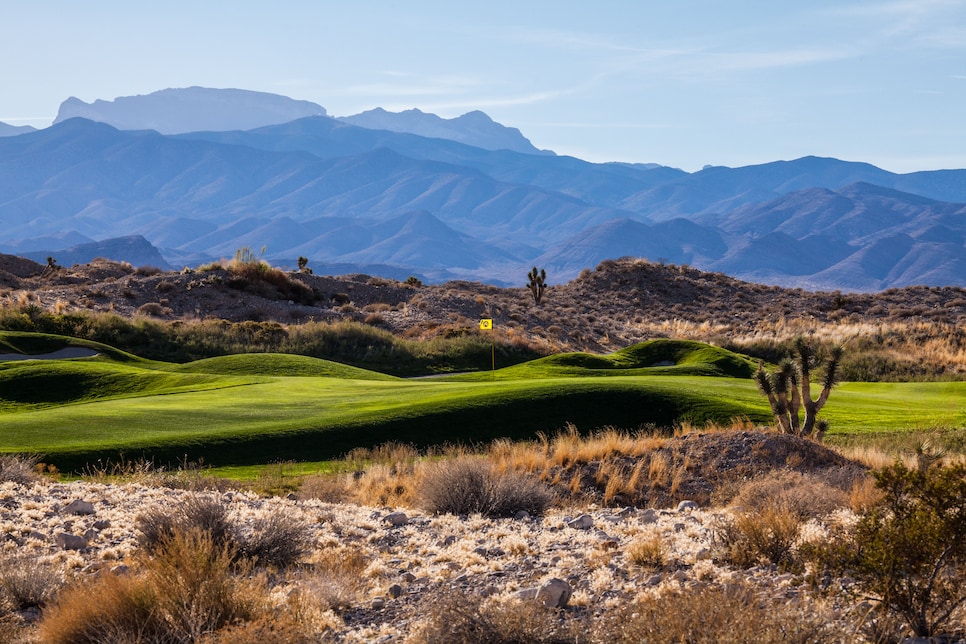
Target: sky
687,83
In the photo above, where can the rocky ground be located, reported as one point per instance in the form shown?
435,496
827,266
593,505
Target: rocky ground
409,557
378,571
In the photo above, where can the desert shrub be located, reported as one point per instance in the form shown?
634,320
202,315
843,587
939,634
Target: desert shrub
911,550
335,581
19,468
277,539
648,552
185,589
196,590
27,582
467,485
153,309
716,614
331,489
807,496
469,619
194,513
125,611
273,540
766,535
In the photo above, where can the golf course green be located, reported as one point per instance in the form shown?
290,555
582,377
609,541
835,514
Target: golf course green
256,408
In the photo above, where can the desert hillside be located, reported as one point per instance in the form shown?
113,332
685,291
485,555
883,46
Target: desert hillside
917,331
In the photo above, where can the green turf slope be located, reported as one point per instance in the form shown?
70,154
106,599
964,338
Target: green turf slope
257,408
650,358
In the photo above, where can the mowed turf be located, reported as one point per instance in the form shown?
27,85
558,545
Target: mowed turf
258,408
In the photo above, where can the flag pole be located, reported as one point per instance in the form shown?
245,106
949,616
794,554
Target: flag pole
486,324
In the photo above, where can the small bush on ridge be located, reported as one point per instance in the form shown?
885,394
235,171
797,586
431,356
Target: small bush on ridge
466,485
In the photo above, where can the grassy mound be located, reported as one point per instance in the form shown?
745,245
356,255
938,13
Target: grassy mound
654,357
279,364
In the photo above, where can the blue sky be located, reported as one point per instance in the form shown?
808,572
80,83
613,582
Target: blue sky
683,83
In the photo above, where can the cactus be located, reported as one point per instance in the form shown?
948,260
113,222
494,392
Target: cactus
789,389
537,283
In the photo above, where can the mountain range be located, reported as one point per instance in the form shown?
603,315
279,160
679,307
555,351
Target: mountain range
468,198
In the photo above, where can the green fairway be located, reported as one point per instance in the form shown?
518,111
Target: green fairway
251,409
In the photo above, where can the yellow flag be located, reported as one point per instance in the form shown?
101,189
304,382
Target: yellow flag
486,324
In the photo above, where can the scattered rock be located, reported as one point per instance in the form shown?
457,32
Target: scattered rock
522,515
555,593
649,516
687,506
79,507
396,519
583,522
103,524
395,591
378,603
70,541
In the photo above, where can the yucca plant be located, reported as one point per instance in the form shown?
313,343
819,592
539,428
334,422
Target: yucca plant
537,283
789,388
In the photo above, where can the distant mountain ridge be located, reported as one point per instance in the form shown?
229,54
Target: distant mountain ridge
191,109
346,195
13,130
473,128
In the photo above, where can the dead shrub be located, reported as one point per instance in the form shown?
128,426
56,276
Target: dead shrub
27,582
648,552
274,540
328,488
186,588
807,496
467,485
195,513
277,539
469,619
19,468
717,614
766,535
125,611
196,590
334,581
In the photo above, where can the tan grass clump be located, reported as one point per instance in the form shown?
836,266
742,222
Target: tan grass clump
184,590
459,618
717,614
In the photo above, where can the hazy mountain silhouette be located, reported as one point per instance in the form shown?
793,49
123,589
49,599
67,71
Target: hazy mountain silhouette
189,109
13,130
473,128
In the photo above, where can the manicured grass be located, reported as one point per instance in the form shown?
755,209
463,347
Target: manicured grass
651,358
259,408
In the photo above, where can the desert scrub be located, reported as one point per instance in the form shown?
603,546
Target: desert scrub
468,485
713,614
27,582
19,468
461,618
766,535
909,551
807,496
186,588
276,539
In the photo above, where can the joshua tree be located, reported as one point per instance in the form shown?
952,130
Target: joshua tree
51,267
304,265
537,283
789,389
